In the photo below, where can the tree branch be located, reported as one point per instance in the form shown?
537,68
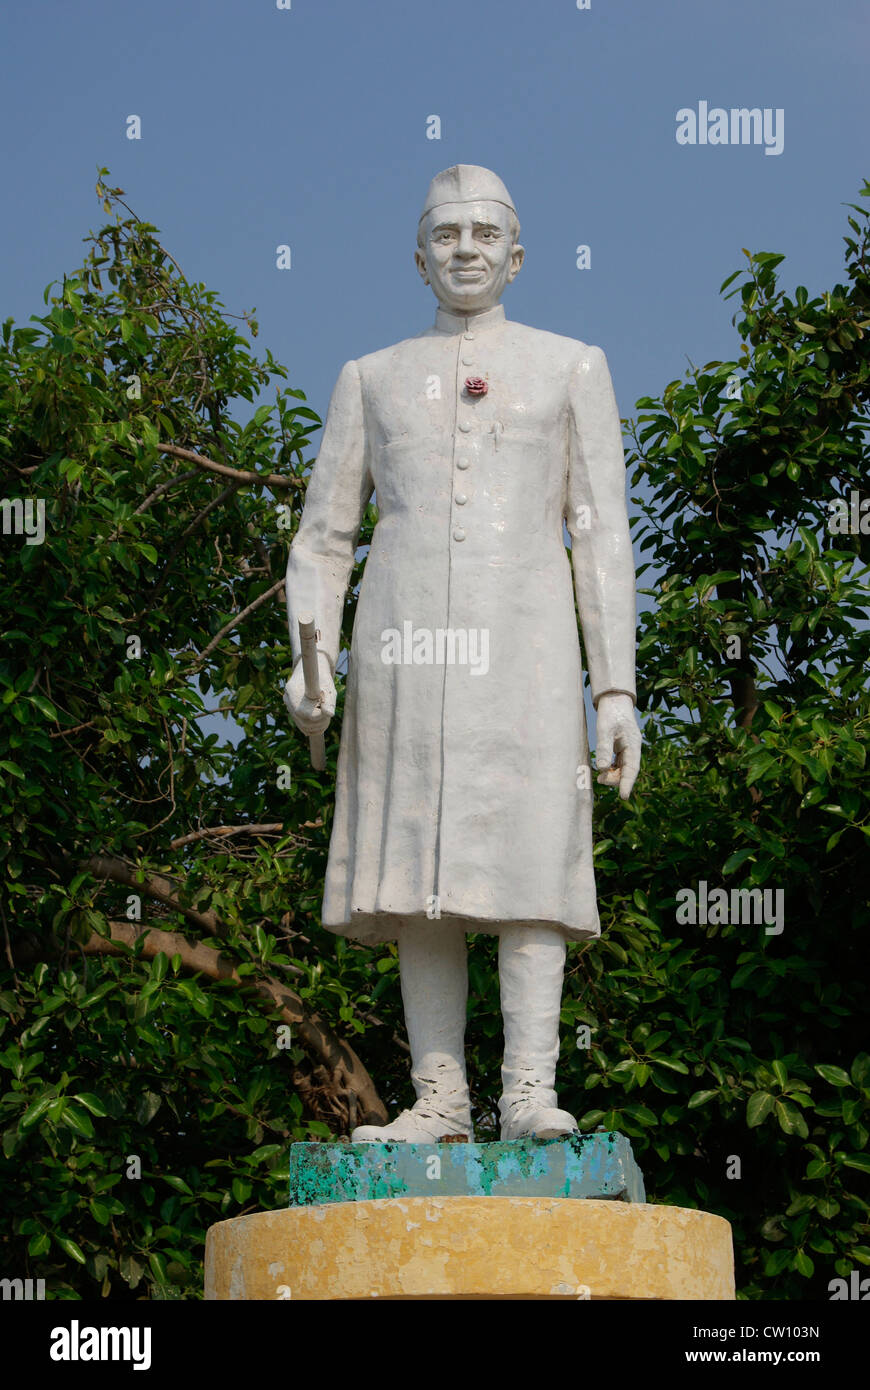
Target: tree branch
158,492
179,545
347,1074
155,886
239,474
268,593
221,831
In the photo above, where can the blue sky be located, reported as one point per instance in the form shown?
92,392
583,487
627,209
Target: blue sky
307,126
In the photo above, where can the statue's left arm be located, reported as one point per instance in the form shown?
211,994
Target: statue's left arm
603,563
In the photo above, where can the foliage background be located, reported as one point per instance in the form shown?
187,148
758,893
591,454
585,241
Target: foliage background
708,1043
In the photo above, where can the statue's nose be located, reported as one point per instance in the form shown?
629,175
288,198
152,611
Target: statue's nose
466,246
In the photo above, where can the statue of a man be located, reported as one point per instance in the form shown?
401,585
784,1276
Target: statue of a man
463,797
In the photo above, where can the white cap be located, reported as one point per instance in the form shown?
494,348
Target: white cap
466,183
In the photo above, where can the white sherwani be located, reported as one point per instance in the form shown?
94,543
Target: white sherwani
463,790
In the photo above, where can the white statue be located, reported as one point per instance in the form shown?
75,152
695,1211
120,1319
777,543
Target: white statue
463,797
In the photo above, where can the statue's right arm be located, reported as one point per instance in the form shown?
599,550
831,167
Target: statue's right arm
323,550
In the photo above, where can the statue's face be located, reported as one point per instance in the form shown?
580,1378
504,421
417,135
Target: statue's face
468,255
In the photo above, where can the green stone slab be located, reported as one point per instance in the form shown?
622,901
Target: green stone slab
599,1165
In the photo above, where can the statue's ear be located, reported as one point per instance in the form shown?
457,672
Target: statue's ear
420,262
518,255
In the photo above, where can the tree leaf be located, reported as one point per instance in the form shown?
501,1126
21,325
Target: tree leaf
835,1075
758,1107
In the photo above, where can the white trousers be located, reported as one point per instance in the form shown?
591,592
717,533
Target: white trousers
434,978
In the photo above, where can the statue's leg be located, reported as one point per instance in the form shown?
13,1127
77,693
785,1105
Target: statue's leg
531,966
434,974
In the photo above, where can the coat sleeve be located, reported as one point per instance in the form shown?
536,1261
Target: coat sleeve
597,521
323,549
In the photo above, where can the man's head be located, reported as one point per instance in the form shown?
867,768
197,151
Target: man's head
467,239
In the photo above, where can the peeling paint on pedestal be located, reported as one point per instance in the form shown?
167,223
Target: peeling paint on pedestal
599,1166
237,1278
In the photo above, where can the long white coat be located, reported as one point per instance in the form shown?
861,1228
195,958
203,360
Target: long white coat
463,790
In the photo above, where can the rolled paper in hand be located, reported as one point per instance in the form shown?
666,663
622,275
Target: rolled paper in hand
308,641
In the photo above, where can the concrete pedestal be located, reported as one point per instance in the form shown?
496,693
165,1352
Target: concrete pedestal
539,1218
472,1247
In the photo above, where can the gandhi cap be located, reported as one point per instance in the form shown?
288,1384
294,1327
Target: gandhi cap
466,183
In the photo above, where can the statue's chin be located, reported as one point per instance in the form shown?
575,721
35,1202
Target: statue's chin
469,303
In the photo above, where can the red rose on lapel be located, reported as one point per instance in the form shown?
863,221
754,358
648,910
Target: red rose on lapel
476,386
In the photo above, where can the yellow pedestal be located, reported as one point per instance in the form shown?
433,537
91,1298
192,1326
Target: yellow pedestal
472,1247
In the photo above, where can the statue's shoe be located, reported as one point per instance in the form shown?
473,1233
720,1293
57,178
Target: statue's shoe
528,1119
415,1127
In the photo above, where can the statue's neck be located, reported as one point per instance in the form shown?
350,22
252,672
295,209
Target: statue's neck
450,322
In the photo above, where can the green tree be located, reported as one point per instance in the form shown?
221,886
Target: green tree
165,1011
733,1056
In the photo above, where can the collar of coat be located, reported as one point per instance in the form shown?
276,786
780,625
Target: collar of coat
464,323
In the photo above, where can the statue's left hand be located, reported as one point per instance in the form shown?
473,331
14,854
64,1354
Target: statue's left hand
618,734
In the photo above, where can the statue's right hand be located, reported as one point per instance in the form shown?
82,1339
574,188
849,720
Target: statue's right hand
311,718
